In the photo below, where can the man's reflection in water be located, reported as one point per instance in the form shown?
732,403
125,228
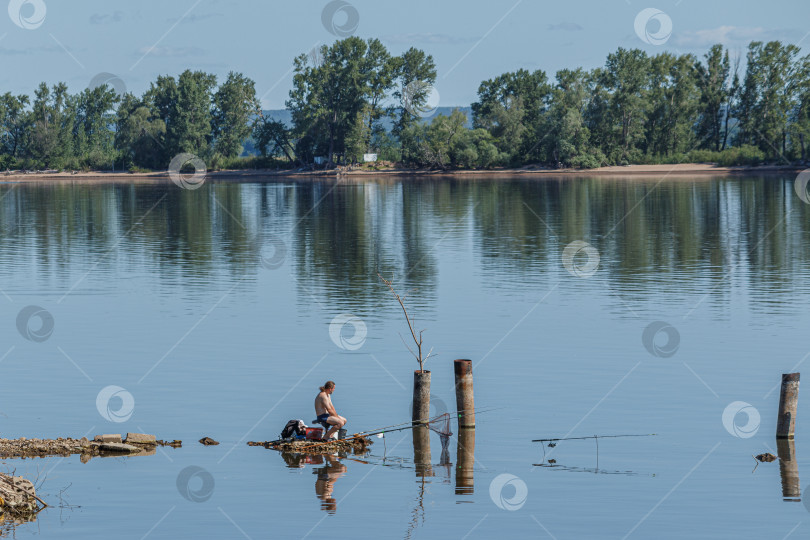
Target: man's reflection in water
325,484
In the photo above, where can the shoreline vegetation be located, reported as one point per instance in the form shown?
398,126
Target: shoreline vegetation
634,171
355,108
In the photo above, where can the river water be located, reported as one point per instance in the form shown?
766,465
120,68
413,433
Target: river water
589,306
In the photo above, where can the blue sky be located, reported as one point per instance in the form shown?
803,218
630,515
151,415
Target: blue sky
471,40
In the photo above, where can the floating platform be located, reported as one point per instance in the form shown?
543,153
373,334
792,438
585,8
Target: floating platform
356,446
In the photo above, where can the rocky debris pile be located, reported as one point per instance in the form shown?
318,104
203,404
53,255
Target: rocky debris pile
208,441
18,500
101,445
357,445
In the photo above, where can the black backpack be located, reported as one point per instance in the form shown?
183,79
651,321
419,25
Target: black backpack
293,427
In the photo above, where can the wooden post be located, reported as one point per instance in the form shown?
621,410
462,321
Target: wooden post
421,451
421,397
789,470
788,400
465,462
465,404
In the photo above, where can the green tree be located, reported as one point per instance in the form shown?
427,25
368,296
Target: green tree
512,108
139,134
327,97
415,76
190,122
235,104
566,137
623,115
767,97
714,85
671,104
14,125
272,138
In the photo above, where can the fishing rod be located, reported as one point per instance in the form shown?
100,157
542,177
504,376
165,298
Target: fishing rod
458,414
365,434
592,437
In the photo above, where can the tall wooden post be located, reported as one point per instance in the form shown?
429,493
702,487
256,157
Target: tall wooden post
788,401
465,404
421,397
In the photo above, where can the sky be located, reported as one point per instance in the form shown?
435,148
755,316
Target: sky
471,40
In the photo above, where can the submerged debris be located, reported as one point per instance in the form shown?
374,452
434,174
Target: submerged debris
174,444
357,445
767,457
18,499
102,445
208,441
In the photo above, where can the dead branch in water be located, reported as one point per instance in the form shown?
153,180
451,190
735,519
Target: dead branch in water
417,341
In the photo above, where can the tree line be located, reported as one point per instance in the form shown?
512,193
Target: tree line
354,97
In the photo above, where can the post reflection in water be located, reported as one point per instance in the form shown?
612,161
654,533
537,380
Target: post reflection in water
789,470
421,451
465,462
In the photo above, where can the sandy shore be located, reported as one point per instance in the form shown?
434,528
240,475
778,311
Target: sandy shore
639,171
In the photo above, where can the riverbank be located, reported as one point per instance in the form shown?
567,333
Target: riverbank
640,171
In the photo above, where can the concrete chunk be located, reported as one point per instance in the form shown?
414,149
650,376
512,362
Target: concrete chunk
119,447
140,438
112,438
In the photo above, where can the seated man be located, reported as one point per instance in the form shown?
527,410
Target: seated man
326,411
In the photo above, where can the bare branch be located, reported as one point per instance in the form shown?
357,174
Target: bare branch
417,341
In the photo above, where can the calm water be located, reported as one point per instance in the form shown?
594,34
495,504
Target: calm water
212,309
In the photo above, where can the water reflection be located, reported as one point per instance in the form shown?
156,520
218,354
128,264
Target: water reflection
465,462
325,484
789,470
340,235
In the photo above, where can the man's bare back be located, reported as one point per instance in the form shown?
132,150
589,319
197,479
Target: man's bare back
326,411
323,404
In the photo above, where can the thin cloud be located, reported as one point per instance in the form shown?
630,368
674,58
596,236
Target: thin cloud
427,38
565,27
7,51
107,18
195,17
729,35
172,52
